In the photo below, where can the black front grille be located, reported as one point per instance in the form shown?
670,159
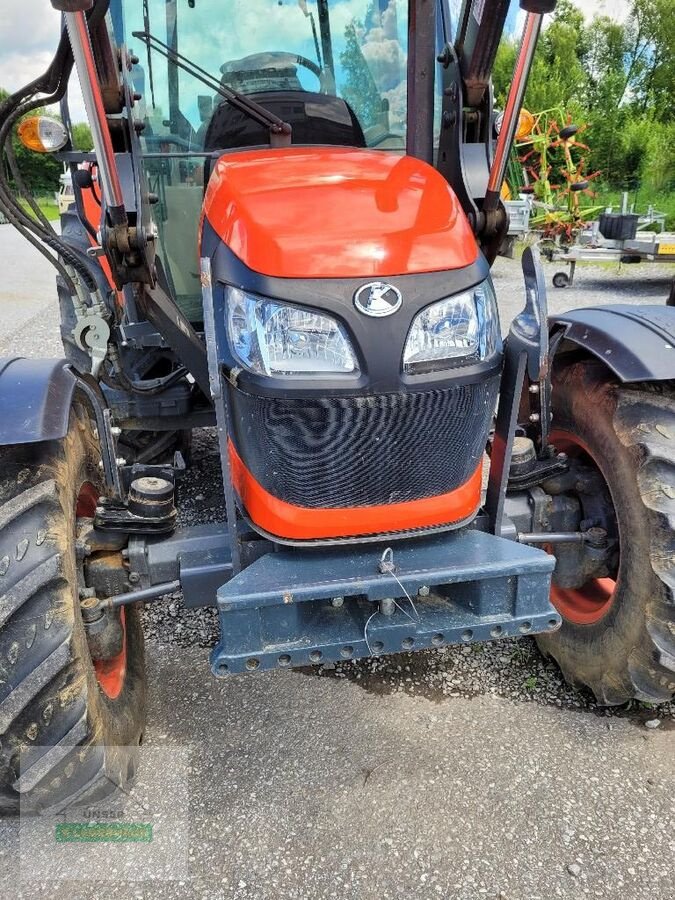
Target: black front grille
364,451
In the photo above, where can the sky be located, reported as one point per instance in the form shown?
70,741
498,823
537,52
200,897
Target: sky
29,33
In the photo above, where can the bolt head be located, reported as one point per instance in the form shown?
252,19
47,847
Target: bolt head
337,602
423,591
534,417
387,606
534,388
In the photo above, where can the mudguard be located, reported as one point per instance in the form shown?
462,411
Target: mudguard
636,342
35,399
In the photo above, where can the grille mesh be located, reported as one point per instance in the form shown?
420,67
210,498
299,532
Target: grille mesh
364,451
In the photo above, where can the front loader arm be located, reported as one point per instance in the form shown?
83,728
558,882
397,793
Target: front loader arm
468,157
127,232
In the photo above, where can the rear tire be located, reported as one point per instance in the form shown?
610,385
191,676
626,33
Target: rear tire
60,734
629,431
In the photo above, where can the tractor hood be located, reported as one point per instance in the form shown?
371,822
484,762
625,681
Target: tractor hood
324,212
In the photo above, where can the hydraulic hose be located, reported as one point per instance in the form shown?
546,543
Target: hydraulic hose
38,231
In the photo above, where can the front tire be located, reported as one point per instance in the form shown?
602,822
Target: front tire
621,644
64,730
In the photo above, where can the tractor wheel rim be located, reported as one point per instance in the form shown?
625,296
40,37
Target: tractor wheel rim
110,673
592,601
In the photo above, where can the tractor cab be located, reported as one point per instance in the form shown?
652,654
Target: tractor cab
336,72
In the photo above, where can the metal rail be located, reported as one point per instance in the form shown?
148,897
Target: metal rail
554,537
83,55
514,103
143,595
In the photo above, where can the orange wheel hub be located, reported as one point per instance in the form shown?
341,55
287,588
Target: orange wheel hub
587,604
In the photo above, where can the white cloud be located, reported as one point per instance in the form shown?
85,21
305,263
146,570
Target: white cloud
29,35
615,9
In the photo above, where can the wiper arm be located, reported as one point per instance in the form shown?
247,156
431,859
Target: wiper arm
280,131
146,25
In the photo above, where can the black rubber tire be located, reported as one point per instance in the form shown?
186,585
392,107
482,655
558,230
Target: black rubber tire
630,431
60,735
561,280
577,186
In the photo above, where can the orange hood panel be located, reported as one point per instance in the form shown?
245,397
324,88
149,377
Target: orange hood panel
326,212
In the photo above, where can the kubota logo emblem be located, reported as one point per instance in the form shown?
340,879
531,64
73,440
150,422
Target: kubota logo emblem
378,299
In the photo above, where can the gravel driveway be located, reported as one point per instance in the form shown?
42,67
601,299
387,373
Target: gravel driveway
460,773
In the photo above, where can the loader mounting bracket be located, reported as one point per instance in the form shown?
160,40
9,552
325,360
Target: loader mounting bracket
526,362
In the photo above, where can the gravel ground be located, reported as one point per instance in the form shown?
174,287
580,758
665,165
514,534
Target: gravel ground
463,773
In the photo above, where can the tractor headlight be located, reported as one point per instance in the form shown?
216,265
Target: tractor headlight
271,338
459,329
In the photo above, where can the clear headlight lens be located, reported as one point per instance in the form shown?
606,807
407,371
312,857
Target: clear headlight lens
271,338
460,328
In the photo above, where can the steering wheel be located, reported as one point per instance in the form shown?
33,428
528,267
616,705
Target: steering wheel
258,60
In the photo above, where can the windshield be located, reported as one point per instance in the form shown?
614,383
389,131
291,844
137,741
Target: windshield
352,49
315,50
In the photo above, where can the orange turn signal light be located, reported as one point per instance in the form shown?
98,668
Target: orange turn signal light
42,134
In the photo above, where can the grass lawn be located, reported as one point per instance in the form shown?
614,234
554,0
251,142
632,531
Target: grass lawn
48,206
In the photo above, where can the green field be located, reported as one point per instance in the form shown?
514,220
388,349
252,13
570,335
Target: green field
48,206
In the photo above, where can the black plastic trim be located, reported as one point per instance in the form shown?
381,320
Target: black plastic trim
35,399
637,343
378,342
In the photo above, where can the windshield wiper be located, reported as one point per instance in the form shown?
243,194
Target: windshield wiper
280,131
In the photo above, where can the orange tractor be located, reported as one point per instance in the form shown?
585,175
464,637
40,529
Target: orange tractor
285,232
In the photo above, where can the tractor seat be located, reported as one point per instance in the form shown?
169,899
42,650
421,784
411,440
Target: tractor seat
314,118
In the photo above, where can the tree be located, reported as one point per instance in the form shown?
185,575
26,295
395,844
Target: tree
359,88
558,76
80,135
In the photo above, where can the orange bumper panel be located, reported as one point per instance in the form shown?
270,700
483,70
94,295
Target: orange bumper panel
285,520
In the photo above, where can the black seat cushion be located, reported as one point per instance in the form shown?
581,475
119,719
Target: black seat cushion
314,118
